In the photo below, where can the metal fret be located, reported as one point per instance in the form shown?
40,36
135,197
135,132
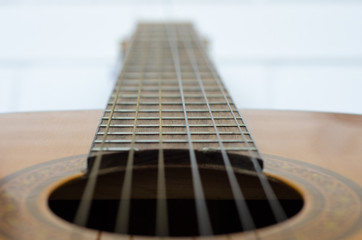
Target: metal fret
169,125
171,89
171,141
169,96
170,133
206,149
170,110
168,103
169,118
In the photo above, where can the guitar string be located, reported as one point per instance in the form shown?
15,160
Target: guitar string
202,213
100,153
244,214
82,213
273,201
123,213
161,208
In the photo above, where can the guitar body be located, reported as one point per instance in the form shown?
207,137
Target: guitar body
319,154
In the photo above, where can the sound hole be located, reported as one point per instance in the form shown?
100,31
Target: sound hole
182,217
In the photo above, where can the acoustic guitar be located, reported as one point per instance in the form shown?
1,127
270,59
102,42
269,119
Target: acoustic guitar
173,158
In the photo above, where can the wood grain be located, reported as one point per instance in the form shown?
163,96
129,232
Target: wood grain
331,141
31,138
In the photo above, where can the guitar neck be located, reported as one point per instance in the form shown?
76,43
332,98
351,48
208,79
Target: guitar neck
169,96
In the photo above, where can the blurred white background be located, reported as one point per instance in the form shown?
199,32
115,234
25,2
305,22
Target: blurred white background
272,54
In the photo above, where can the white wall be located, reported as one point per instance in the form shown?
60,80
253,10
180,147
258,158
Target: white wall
271,54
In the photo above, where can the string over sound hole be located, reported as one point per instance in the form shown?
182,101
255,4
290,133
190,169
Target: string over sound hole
179,202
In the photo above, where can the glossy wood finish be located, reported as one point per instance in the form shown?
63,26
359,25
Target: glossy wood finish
31,138
331,141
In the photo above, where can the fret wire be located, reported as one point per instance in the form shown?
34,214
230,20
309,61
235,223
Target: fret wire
175,89
83,210
169,103
168,96
168,110
131,73
170,125
169,118
276,207
206,149
122,219
201,209
229,149
243,211
170,133
171,141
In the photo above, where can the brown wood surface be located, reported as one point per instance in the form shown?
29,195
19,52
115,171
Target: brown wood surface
332,141
30,138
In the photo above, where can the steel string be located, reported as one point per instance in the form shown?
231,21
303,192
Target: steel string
202,213
244,214
273,201
161,208
122,217
82,213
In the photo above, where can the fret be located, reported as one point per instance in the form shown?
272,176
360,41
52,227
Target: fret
152,77
171,110
169,125
130,78
168,103
170,96
171,141
170,118
170,89
114,149
154,70
170,133
206,149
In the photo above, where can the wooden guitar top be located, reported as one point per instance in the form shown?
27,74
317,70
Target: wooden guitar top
332,141
328,140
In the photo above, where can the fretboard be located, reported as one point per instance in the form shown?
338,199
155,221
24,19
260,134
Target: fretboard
169,96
